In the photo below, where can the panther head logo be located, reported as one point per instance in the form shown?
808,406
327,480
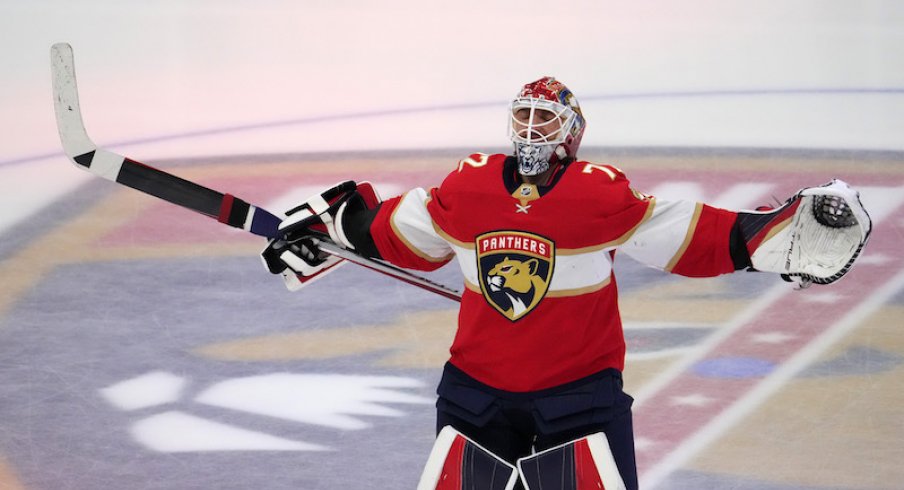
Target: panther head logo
519,282
515,270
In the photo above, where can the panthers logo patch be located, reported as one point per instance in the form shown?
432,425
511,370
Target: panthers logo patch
515,269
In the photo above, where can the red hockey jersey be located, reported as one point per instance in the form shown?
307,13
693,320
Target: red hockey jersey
540,306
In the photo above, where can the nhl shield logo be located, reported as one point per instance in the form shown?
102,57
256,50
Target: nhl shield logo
515,269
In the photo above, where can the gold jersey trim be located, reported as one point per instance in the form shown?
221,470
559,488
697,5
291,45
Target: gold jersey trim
691,229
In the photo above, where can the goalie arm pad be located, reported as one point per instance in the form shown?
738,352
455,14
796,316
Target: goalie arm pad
815,236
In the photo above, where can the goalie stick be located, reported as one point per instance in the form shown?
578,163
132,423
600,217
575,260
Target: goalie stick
225,208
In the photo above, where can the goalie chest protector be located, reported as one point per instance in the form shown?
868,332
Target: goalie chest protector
539,307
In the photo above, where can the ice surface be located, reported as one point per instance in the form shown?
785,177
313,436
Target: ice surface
144,347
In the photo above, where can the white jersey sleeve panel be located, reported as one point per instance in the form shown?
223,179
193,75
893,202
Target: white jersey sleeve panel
413,225
661,240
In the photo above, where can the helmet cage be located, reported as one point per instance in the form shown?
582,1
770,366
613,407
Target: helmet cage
538,143
531,121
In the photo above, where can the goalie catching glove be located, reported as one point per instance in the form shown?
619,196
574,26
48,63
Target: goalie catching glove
341,214
814,237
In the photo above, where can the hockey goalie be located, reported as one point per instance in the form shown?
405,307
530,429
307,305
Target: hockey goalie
533,386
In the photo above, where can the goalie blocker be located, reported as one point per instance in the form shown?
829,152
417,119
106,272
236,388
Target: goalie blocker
815,237
296,254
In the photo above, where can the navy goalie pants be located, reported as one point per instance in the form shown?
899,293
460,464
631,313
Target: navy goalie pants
514,425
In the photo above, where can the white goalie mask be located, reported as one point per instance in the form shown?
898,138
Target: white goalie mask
545,125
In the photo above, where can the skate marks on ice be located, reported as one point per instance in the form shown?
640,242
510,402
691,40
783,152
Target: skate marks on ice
136,331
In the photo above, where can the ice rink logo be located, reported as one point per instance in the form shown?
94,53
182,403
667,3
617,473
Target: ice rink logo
327,400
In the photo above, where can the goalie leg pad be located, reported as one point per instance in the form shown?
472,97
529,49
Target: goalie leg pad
458,463
582,464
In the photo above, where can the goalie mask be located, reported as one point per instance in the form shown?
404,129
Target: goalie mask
545,125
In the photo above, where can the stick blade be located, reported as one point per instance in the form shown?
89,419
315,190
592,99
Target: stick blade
73,136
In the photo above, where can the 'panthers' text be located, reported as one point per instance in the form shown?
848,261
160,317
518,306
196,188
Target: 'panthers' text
513,242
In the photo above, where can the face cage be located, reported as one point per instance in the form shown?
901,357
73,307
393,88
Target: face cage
535,154
526,133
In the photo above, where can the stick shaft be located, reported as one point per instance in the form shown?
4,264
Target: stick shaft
225,208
